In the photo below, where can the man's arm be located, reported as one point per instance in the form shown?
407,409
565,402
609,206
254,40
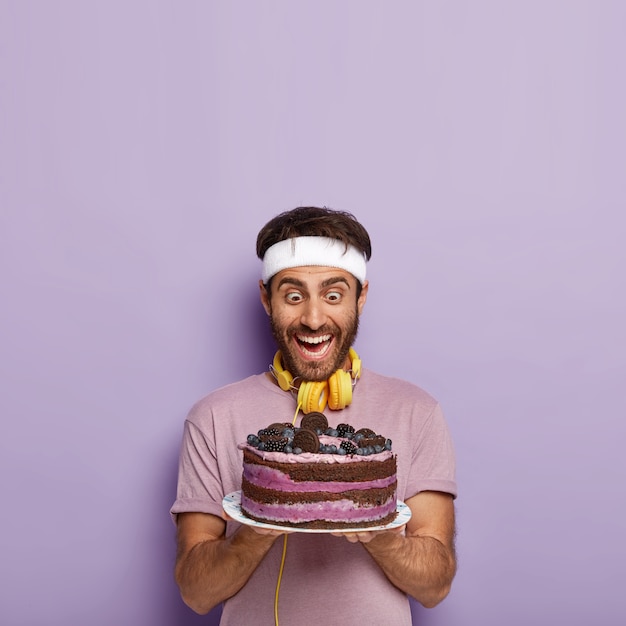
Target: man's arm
210,567
421,563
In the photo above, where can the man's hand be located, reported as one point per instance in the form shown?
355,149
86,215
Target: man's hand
270,532
365,536
419,558
211,567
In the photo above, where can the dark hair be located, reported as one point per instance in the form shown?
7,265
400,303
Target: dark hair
311,221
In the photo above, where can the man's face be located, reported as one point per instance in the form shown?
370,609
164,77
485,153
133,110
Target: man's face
314,313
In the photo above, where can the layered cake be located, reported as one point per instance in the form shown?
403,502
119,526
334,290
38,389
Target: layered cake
313,476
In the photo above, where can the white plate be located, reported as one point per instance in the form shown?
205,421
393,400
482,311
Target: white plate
232,506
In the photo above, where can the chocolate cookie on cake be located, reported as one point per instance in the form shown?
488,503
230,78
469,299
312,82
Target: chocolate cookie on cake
313,476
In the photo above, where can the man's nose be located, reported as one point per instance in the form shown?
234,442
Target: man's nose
313,315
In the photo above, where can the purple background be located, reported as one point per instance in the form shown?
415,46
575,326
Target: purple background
142,146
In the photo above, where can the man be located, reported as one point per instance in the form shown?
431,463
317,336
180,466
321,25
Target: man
314,290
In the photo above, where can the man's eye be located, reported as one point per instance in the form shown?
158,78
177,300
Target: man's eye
293,297
333,296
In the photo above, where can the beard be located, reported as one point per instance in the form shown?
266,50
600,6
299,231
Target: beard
315,371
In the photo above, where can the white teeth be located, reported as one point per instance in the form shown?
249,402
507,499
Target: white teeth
314,340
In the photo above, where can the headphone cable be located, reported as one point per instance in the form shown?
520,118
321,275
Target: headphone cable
282,560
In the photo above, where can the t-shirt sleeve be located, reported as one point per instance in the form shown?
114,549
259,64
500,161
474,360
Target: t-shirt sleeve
199,486
433,463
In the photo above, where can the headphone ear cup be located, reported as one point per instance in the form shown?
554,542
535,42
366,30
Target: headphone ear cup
313,396
283,377
355,364
340,390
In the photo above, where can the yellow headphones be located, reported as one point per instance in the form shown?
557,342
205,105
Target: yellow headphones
313,396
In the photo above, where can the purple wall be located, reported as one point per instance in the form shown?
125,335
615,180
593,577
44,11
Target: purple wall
143,144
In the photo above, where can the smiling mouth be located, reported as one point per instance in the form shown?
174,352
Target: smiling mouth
314,347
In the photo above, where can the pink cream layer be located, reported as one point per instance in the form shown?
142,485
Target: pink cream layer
340,511
274,479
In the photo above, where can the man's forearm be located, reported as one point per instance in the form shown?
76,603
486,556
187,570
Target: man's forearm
214,570
421,566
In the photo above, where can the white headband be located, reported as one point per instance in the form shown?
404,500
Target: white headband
320,251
